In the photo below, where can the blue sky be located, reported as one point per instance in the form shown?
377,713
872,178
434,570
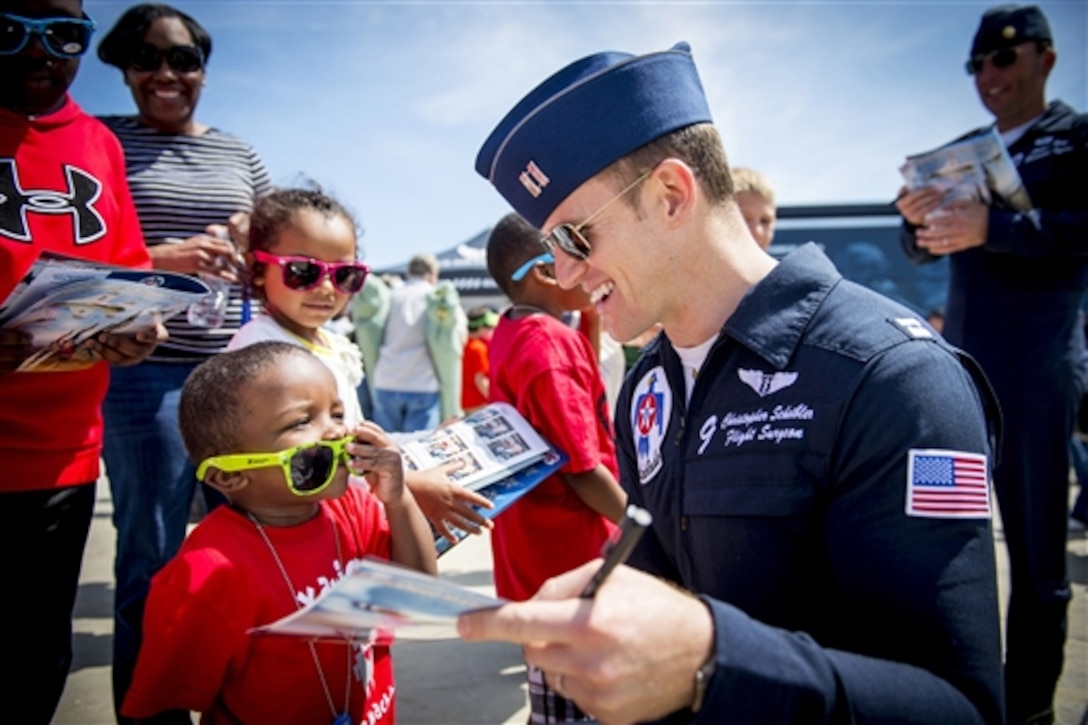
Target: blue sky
385,104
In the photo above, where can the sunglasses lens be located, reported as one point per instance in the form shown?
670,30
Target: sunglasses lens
301,275
12,35
571,241
66,38
311,468
349,279
1004,58
184,59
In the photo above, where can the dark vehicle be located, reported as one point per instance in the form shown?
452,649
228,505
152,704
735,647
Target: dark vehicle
861,239
863,242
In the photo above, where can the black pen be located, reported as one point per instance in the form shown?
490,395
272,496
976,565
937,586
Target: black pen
616,550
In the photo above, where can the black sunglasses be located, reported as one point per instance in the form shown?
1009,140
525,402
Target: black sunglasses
62,37
1000,58
147,58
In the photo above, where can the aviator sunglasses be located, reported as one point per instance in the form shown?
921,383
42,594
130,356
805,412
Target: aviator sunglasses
147,58
305,273
308,468
569,237
61,37
1000,58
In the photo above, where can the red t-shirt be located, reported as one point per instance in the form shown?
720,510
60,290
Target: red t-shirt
549,373
474,361
197,653
62,189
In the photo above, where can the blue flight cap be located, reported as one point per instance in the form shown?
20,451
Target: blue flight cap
1007,25
584,117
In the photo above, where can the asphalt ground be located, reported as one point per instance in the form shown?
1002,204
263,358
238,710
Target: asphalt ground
441,679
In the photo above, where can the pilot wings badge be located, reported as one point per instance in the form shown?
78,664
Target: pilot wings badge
766,383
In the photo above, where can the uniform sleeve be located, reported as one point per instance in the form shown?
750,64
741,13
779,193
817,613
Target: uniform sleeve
916,589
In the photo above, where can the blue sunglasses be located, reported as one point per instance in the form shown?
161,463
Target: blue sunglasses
520,272
61,37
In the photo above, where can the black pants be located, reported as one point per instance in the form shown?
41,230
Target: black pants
42,536
1032,484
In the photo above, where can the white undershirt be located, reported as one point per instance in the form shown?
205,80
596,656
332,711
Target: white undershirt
692,358
1013,134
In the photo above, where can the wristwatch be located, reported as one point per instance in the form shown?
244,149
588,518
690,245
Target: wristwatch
702,680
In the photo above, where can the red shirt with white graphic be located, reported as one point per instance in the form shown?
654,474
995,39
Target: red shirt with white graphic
62,189
198,654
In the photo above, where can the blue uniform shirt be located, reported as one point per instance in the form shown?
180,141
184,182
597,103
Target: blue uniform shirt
784,493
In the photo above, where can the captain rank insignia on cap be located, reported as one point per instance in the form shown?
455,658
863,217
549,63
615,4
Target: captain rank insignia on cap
533,179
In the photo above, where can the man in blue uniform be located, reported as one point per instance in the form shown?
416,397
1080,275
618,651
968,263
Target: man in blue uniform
815,458
1016,285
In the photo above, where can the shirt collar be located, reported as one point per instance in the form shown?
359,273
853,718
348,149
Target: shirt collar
775,313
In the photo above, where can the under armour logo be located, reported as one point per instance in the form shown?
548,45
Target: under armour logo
766,383
78,202
533,179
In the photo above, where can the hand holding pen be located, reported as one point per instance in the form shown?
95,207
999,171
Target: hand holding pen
617,549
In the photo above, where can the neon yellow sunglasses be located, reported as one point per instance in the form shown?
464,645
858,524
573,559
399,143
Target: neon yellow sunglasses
308,468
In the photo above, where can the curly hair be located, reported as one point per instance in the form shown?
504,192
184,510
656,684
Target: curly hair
275,211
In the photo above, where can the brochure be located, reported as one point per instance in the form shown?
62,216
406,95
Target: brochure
506,491
378,594
62,302
489,444
974,167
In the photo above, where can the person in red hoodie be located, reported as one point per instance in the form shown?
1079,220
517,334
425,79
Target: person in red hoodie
62,190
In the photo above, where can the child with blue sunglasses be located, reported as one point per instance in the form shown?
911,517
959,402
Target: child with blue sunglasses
266,428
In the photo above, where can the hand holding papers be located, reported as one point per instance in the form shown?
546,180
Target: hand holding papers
62,302
975,168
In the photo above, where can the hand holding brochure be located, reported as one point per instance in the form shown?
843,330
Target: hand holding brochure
489,444
378,594
974,167
62,302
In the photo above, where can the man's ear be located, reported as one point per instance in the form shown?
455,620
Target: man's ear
224,482
677,187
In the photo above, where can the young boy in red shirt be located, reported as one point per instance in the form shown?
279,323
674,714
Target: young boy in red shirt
548,371
291,530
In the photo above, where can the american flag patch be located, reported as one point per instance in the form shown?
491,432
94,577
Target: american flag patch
947,484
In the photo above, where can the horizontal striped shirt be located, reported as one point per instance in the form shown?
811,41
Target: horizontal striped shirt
180,185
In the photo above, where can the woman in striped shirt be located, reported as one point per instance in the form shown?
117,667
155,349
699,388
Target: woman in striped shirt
193,185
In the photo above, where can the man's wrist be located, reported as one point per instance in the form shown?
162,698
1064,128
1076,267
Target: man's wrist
706,670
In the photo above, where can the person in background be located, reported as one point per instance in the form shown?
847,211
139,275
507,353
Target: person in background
62,190
406,387
1015,289
755,197
474,368
801,442
369,310
935,318
291,531
549,372
193,185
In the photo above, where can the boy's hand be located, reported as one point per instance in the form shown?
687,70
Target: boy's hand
375,456
445,503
